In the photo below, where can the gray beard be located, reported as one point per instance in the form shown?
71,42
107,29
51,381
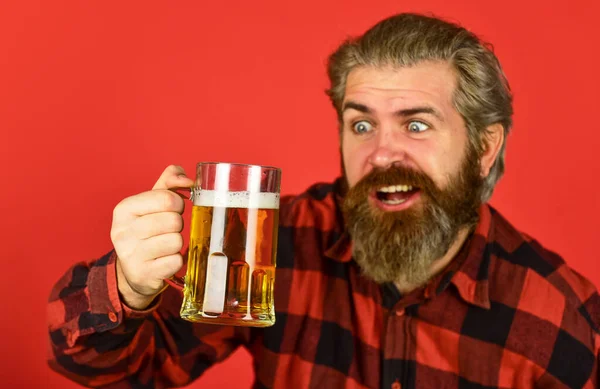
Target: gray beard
390,249
403,246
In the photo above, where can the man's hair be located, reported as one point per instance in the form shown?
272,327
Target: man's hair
482,96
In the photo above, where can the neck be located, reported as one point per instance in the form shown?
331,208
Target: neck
440,264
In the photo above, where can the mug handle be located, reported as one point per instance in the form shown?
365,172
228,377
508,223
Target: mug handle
176,282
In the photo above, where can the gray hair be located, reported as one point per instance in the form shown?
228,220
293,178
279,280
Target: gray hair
482,96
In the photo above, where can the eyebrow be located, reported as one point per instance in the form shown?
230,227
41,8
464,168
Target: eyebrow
403,112
357,107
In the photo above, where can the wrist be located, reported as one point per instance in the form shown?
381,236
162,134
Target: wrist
129,297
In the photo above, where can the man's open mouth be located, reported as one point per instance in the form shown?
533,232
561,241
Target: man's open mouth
394,195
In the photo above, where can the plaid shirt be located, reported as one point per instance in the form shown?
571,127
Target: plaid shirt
506,313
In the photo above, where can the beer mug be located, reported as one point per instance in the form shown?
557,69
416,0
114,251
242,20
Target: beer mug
233,243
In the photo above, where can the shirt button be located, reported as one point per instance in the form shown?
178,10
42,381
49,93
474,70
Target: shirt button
112,317
399,312
427,293
396,385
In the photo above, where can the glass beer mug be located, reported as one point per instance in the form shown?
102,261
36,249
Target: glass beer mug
233,243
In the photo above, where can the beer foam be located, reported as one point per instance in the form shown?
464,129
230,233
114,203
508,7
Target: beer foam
212,198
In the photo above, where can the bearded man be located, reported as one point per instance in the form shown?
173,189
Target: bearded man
398,275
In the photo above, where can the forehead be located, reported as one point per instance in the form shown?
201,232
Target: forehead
391,88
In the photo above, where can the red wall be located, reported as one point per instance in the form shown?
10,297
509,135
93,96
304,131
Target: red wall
97,97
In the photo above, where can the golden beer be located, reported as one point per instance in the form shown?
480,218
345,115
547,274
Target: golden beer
231,260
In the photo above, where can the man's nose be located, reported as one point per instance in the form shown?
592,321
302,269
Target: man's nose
389,150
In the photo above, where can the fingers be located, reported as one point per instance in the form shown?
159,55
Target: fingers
154,224
165,267
146,234
173,177
161,245
147,279
149,202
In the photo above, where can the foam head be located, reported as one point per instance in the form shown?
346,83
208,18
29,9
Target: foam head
211,198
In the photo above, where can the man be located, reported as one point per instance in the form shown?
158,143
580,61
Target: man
399,275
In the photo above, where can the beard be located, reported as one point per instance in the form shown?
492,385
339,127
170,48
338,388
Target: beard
402,246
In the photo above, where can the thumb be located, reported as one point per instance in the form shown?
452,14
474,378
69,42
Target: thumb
173,177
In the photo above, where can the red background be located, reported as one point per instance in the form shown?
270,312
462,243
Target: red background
97,97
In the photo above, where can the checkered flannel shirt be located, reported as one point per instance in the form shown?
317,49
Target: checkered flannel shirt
507,313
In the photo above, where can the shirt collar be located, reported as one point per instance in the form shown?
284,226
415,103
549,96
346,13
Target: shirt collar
468,271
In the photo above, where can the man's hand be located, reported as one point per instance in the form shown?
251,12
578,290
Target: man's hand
146,234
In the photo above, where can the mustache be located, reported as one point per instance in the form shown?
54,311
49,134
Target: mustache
395,175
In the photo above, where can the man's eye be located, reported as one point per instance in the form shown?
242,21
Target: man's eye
417,126
362,127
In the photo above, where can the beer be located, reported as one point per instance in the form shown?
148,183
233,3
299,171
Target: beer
231,260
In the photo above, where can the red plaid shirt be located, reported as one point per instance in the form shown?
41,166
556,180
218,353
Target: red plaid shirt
506,313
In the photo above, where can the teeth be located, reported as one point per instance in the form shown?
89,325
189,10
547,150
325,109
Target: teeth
396,188
393,202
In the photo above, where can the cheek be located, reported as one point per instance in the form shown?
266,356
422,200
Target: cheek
431,158
356,161
441,163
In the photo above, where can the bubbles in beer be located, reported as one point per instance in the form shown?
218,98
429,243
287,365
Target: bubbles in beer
242,228
245,199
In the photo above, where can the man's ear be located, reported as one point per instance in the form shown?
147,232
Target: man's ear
493,138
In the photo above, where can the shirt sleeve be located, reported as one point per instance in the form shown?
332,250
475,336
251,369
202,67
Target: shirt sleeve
96,340
597,383
592,307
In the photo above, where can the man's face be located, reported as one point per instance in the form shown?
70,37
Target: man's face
410,122
414,182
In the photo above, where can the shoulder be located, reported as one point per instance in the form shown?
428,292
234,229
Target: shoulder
315,208
541,281
310,224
